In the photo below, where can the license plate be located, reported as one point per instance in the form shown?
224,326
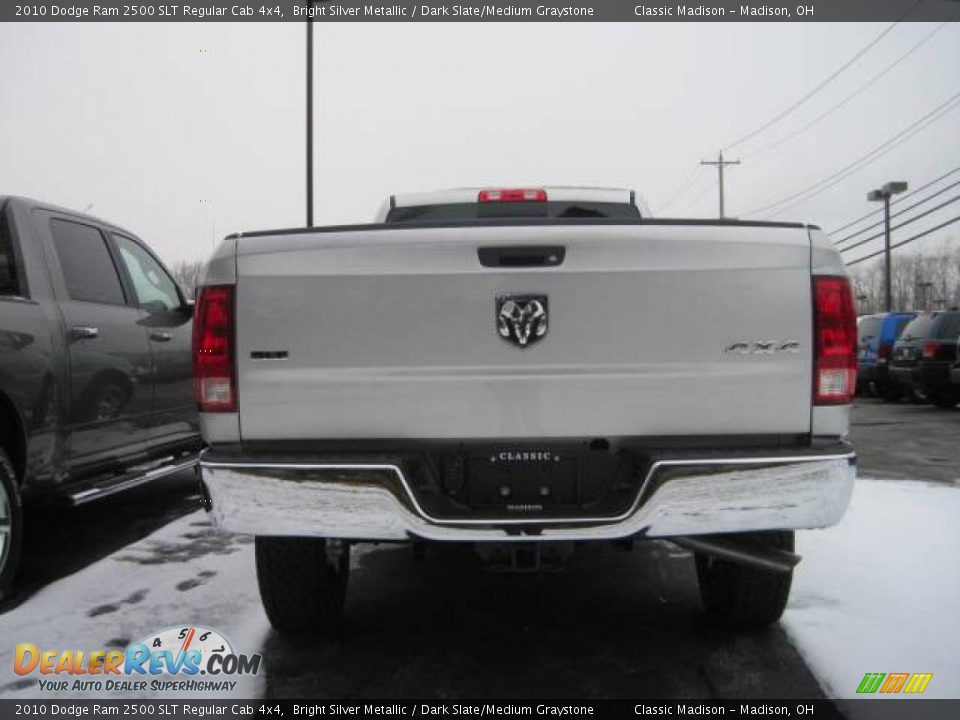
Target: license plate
523,479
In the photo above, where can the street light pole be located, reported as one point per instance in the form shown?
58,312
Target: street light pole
309,121
884,194
887,265
310,115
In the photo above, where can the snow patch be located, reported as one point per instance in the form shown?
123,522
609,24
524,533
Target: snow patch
185,572
879,592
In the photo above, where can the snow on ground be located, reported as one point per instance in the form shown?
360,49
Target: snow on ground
880,592
185,573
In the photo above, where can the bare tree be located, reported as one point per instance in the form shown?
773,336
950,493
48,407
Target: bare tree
187,274
921,281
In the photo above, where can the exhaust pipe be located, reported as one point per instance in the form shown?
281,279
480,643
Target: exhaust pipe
744,553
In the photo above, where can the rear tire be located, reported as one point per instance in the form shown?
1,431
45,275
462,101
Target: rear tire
891,392
11,525
741,596
303,582
944,399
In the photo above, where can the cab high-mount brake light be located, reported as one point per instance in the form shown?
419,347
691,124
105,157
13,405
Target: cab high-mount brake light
214,371
835,341
512,195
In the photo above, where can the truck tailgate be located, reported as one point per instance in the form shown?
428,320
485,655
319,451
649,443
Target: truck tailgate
653,330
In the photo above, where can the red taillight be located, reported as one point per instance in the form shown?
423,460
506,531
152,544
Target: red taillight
930,350
214,371
512,195
835,341
883,352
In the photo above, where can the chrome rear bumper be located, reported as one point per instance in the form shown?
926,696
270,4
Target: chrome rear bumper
678,496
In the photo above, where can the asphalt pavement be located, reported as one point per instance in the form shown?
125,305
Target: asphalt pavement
906,441
613,624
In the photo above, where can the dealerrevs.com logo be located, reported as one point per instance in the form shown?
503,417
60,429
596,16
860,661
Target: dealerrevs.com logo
176,659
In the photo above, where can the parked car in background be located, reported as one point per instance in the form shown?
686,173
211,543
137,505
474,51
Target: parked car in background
95,365
876,335
924,354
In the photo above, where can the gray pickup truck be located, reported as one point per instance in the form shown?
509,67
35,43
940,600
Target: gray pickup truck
95,366
524,370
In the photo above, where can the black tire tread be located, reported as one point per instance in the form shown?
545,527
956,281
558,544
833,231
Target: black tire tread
742,597
300,591
8,477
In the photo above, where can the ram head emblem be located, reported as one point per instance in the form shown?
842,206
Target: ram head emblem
522,319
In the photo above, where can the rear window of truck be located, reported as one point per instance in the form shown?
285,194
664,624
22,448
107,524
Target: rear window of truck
466,212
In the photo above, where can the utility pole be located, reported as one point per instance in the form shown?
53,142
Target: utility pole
310,114
883,195
720,163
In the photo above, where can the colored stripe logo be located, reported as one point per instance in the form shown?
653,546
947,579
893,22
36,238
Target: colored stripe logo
892,683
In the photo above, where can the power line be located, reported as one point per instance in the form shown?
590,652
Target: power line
905,242
899,199
702,194
868,159
849,97
860,53
688,184
905,222
875,154
896,214
685,188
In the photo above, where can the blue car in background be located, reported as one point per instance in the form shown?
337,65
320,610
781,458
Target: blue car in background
875,337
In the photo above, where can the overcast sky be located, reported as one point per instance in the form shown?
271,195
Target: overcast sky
181,131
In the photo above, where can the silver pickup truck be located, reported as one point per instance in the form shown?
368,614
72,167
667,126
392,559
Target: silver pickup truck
525,370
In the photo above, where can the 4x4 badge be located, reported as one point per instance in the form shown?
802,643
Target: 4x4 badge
522,319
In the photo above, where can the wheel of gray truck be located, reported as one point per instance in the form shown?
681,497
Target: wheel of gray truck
741,596
11,525
303,582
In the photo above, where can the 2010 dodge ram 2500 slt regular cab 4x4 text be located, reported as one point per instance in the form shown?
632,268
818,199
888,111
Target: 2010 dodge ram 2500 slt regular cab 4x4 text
526,370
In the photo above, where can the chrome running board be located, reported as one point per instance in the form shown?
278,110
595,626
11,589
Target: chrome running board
137,476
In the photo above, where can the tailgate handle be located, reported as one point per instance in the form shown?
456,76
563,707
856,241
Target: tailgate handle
506,256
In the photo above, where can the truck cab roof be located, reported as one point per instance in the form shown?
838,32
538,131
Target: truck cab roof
29,204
